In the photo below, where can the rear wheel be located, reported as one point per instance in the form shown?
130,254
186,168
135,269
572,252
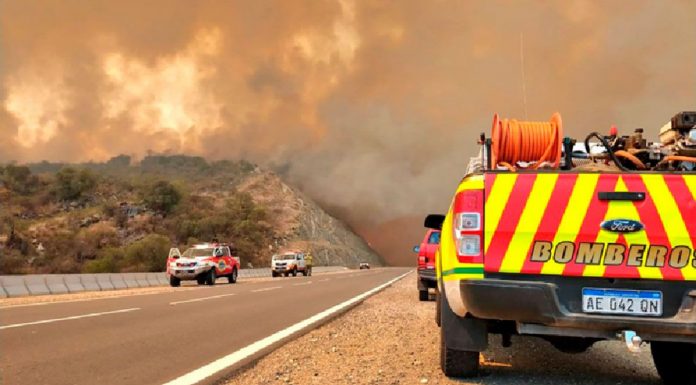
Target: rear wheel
423,295
232,278
304,272
201,279
675,362
174,281
438,306
461,340
210,280
294,272
274,274
457,363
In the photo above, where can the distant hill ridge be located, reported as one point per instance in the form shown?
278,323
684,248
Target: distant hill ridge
123,216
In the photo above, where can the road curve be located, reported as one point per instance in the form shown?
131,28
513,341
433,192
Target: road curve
155,338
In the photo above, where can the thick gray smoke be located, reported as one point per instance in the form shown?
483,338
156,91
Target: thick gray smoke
373,107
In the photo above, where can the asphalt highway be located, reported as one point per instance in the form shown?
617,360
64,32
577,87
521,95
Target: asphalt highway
156,338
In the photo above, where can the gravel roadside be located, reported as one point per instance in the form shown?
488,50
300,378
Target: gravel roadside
392,338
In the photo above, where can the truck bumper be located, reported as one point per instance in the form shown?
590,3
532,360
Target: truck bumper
187,273
426,279
547,308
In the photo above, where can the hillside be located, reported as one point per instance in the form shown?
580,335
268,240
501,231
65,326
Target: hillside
120,216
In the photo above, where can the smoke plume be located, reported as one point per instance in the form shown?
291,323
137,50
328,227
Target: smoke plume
372,107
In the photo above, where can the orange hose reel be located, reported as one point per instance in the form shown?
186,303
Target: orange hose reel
530,142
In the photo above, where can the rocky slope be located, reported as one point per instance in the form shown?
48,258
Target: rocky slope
300,223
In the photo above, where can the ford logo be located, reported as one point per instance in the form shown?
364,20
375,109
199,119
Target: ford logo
622,226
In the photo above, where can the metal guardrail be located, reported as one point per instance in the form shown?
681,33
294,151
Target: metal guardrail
42,284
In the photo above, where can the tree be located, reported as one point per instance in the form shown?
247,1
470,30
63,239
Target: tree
119,161
148,254
19,179
162,196
72,184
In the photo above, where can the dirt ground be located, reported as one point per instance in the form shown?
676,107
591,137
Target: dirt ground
392,338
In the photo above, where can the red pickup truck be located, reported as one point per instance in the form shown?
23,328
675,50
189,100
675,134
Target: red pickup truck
426,263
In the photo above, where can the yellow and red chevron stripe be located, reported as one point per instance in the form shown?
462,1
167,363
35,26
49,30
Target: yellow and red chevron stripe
560,213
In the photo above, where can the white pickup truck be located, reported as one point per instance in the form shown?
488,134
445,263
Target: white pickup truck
204,263
290,262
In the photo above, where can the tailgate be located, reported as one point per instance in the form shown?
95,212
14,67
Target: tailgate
576,225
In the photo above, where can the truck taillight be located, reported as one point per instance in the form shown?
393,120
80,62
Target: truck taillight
422,259
467,227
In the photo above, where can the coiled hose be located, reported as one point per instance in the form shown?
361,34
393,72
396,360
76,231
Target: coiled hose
529,142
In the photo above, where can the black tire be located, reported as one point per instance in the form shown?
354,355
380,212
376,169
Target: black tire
309,273
274,274
294,272
423,295
174,281
438,309
286,275
304,272
210,279
232,278
457,363
675,362
201,279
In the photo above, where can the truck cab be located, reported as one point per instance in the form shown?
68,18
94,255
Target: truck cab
426,263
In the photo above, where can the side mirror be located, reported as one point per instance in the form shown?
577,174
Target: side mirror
174,253
434,221
416,249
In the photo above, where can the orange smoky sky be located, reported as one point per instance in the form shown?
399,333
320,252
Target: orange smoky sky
372,107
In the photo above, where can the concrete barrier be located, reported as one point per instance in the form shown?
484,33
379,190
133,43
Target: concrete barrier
104,282
14,285
36,284
130,280
162,279
141,279
22,285
117,281
152,279
56,284
73,282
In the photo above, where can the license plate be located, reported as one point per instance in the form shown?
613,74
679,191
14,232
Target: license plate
627,302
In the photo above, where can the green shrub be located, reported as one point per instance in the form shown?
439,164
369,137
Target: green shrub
19,179
148,254
72,184
162,197
107,262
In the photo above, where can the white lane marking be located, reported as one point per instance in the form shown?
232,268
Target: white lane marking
201,299
117,295
303,283
47,321
225,362
266,289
